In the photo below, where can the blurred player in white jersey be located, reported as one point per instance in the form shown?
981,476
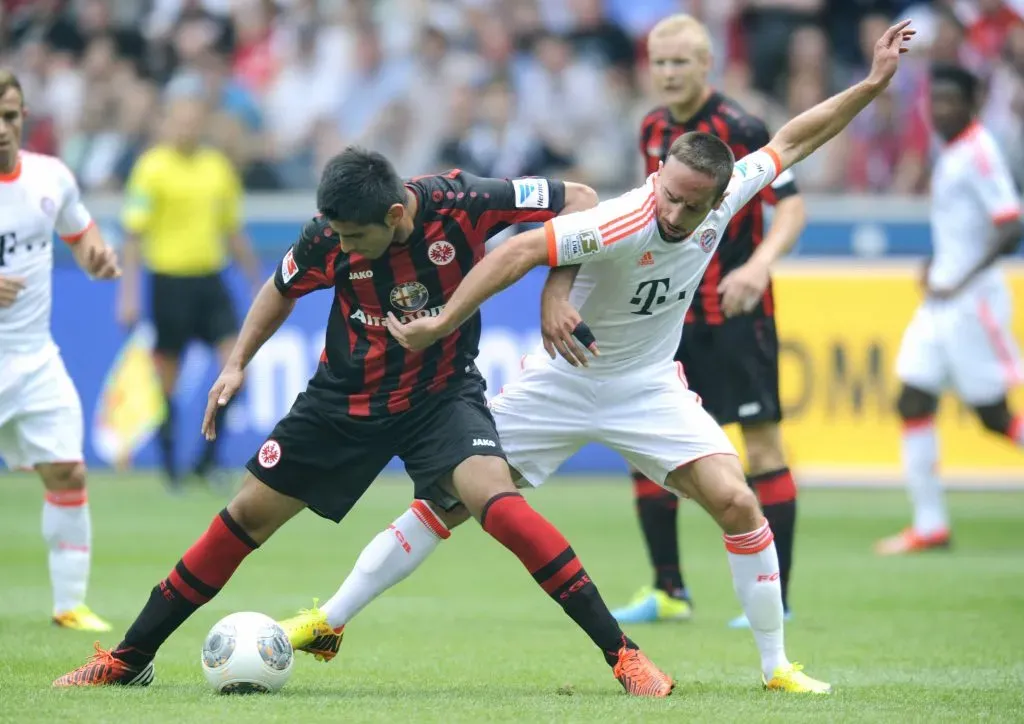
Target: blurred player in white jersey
960,335
40,413
640,259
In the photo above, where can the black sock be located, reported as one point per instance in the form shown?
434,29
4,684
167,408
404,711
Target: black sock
197,577
658,512
777,493
166,438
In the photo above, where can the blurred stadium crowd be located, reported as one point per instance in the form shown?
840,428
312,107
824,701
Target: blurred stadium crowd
499,87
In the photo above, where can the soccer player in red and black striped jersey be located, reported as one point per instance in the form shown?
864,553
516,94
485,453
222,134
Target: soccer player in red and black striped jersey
729,347
386,250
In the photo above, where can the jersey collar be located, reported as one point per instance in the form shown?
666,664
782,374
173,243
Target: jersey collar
7,178
969,132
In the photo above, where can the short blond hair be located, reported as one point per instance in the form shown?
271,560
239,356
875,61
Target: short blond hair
680,24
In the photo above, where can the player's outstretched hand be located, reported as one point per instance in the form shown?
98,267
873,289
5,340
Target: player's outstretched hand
10,287
743,287
101,263
559,321
416,334
227,384
888,49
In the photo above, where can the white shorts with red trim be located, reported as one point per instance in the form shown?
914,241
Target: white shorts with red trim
40,411
649,416
965,344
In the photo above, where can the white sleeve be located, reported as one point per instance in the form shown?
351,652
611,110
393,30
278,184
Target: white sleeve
751,174
611,229
992,182
73,218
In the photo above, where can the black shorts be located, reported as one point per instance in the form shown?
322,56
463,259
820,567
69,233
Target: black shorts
328,460
188,308
734,368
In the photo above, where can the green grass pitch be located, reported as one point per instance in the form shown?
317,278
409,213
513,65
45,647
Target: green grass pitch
470,638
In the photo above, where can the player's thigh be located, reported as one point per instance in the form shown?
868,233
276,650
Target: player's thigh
216,320
543,418
453,431
323,460
921,361
172,306
49,426
984,358
658,425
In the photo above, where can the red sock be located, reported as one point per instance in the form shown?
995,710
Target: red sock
548,556
197,577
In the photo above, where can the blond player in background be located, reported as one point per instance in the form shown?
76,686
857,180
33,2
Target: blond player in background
960,335
41,425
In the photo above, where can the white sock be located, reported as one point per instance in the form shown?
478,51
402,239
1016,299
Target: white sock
755,576
67,531
389,558
920,459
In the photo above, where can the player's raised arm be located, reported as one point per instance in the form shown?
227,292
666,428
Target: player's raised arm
816,126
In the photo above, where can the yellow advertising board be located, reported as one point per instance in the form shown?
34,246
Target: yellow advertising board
840,331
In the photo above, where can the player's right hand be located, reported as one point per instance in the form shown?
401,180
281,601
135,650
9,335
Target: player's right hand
227,384
558,320
888,50
10,287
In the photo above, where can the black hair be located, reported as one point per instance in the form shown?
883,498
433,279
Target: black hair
707,154
358,186
965,81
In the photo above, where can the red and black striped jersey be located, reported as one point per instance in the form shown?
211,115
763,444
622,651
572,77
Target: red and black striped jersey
363,371
722,117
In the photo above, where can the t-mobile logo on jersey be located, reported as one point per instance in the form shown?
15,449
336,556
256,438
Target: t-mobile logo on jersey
7,243
649,293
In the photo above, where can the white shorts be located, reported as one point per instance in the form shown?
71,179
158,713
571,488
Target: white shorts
40,411
648,416
964,343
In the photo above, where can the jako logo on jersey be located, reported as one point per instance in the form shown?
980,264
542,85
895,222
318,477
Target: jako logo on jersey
409,297
355,276
647,259
269,454
288,267
441,252
483,442
575,246
531,193
370,321
707,240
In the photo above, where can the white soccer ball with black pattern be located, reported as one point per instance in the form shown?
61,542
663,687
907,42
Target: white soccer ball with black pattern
247,653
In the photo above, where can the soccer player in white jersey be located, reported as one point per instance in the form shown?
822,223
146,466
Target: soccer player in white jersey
40,413
960,335
641,257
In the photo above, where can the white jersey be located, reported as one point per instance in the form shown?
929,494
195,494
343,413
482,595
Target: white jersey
634,288
39,198
972,190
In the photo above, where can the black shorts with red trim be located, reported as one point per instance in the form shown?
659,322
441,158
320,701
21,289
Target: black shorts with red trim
734,368
328,460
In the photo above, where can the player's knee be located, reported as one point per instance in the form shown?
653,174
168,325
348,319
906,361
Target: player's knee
63,476
914,404
477,479
996,418
259,510
739,511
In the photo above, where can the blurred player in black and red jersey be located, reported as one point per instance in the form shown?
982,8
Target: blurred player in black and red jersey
729,348
385,249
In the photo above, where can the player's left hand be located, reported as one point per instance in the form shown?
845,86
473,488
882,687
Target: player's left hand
559,321
101,263
887,52
416,334
743,287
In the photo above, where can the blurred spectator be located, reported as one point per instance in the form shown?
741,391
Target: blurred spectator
291,81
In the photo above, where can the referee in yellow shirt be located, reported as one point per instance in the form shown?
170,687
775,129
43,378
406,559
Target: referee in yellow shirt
183,223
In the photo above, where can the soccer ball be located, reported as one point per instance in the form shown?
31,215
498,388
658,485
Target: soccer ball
247,653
